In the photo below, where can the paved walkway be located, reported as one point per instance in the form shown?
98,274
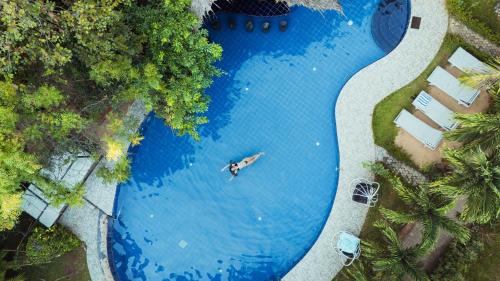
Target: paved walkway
409,174
89,222
473,38
353,116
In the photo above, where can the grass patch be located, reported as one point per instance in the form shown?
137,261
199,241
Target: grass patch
479,15
71,266
384,130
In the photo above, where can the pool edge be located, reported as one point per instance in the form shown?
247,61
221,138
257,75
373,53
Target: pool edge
388,74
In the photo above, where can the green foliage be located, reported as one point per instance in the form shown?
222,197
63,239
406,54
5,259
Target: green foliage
30,34
428,208
458,258
483,80
391,260
476,175
477,130
46,244
119,173
356,272
475,15
183,59
70,70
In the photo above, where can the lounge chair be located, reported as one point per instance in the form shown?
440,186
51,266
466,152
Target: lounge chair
464,61
435,110
347,246
427,135
364,192
449,84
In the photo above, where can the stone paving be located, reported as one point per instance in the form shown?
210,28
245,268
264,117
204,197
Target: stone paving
353,116
89,222
409,174
473,38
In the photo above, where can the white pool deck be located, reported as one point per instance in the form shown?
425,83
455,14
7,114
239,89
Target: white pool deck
353,115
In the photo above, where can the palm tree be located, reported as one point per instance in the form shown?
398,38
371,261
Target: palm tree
475,175
391,260
426,207
356,272
477,130
483,80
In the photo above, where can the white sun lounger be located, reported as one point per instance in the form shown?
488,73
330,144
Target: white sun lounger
449,84
435,110
464,61
427,135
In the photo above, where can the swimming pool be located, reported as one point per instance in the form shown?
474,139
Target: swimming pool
180,218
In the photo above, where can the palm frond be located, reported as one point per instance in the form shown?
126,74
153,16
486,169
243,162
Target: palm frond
397,217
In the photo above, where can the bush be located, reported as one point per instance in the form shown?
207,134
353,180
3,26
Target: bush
456,262
461,10
45,244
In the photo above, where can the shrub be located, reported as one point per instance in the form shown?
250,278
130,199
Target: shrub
45,244
461,10
456,262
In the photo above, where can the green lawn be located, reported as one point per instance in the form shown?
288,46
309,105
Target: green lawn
479,15
384,131
71,266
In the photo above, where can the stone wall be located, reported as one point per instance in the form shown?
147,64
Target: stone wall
473,38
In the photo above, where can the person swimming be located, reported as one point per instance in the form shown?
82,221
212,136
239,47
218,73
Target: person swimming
235,167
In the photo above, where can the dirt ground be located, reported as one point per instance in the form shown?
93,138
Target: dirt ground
421,155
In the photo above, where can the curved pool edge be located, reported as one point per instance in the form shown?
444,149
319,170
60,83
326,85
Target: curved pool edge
360,95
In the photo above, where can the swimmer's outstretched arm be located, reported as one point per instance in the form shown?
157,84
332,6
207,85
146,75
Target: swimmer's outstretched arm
225,167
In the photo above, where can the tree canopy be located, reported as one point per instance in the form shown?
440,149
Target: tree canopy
69,71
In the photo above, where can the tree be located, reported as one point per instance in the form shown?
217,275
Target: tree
483,80
181,63
8,265
9,209
428,208
46,244
477,130
30,33
355,272
70,70
475,175
391,260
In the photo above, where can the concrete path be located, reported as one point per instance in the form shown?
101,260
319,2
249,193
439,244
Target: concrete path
89,222
353,116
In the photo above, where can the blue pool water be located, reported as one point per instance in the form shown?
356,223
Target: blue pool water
180,218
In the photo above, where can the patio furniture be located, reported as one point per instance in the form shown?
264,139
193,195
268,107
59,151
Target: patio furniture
364,191
435,111
427,135
347,246
464,61
449,84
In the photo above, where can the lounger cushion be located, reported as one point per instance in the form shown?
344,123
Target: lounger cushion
464,61
451,85
429,136
435,111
